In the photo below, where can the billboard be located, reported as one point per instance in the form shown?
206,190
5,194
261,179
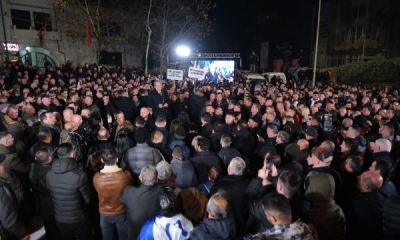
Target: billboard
216,69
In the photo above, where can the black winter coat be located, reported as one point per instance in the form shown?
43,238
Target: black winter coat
227,154
202,163
37,177
134,199
55,134
128,107
235,188
223,228
70,191
391,217
10,226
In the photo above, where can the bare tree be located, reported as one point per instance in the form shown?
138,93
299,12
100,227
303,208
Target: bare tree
179,19
111,21
148,29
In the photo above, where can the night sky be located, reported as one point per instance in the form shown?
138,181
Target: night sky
241,25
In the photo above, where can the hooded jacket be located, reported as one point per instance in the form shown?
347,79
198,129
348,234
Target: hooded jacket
327,217
70,191
223,228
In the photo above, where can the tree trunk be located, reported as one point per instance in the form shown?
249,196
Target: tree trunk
162,53
148,29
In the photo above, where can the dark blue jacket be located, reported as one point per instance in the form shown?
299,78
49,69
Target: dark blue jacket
223,228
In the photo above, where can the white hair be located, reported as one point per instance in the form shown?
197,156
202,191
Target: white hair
237,166
383,144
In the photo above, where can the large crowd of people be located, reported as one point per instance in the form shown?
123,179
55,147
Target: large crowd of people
109,153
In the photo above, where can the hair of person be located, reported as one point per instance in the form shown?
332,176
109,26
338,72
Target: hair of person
183,118
214,173
356,129
242,124
148,175
217,206
278,204
139,121
356,164
43,116
174,125
122,143
10,108
42,156
203,143
178,152
284,136
384,145
218,127
65,150
257,105
371,185
161,118
103,134
109,156
226,140
329,145
237,166
352,144
391,128
43,134
157,137
384,167
206,117
273,128
94,161
291,182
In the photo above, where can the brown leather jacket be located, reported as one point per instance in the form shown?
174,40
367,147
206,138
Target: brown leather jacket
110,184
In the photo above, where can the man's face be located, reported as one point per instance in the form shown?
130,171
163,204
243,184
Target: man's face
219,97
270,133
120,118
88,101
210,110
144,113
13,114
46,101
229,119
347,166
344,147
254,109
50,119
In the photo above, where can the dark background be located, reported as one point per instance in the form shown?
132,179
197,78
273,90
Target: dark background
241,26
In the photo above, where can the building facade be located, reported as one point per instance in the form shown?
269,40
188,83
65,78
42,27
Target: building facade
357,30
31,33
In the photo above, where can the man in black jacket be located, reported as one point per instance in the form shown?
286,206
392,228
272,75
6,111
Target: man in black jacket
204,160
235,185
159,101
70,191
47,121
37,177
10,226
127,106
219,224
227,153
134,198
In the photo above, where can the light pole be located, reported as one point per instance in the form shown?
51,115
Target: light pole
4,30
316,44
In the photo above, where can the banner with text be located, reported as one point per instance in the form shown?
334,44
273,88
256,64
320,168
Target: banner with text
197,73
173,74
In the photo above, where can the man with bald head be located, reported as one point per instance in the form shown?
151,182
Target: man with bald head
365,217
304,152
157,142
149,121
102,142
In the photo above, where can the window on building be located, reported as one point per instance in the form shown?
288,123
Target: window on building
21,19
42,21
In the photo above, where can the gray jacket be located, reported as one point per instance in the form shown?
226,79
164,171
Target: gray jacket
141,156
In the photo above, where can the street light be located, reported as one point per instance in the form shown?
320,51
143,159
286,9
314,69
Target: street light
183,51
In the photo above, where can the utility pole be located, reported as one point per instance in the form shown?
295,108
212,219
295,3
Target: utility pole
316,44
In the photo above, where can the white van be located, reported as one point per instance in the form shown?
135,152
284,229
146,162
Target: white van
270,75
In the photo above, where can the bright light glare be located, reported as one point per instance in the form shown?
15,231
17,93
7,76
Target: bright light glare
183,51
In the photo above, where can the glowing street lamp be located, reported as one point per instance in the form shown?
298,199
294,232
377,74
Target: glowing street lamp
183,51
